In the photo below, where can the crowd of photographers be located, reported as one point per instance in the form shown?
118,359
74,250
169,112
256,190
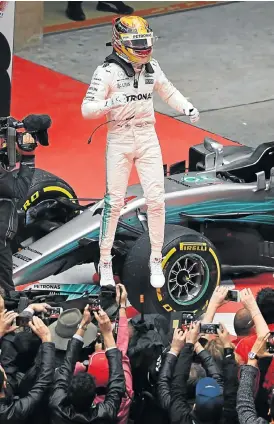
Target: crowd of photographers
81,368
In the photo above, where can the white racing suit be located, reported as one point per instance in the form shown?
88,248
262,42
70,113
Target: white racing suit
132,139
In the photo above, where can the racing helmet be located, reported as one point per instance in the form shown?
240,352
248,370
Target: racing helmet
132,39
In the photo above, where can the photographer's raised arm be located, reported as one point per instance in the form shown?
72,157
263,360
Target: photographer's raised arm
108,409
218,299
249,302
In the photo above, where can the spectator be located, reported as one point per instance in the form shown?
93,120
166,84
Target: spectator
266,301
72,399
163,384
167,369
243,325
65,327
216,350
75,11
19,350
230,377
264,322
209,393
98,363
13,408
248,381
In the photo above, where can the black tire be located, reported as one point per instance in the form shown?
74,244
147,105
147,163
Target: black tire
178,241
46,186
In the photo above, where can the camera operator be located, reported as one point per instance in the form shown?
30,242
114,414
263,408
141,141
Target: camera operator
12,188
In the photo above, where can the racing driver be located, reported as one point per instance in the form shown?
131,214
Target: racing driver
122,88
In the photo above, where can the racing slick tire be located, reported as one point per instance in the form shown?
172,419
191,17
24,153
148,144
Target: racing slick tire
191,267
46,186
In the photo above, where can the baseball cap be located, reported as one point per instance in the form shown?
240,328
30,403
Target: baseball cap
209,399
98,367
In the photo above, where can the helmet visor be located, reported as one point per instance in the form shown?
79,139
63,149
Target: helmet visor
138,41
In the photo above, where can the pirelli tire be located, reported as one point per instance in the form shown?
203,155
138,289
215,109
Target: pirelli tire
46,186
183,248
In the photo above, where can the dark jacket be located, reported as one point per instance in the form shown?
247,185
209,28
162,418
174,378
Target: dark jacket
63,413
13,188
8,358
180,408
13,409
167,370
245,399
231,384
164,380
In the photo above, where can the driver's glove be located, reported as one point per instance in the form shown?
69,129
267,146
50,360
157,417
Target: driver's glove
193,113
117,100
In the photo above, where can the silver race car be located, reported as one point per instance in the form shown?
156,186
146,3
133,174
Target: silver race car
219,224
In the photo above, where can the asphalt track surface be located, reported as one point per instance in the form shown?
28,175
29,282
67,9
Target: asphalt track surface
221,57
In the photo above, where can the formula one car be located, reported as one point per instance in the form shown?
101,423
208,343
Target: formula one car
219,223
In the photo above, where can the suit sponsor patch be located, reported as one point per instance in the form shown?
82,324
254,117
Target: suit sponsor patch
133,97
123,84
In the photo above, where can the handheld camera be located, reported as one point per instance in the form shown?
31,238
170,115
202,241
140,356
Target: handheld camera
209,328
270,342
10,137
233,296
181,320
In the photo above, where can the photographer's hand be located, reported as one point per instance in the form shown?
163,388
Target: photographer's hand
38,308
217,299
27,139
86,320
260,350
178,341
121,299
224,336
192,335
6,320
40,329
249,302
105,328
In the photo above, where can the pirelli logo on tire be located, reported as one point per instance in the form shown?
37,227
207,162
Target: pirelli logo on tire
193,246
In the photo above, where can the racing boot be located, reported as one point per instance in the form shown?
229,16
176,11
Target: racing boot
157,278
106,274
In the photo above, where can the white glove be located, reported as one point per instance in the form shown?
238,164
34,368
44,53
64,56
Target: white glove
117,100
193,113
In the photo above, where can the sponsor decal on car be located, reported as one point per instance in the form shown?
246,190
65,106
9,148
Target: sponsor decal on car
32,199
22,257
47,287
149,81
33,250
46,189
200,179
194,246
